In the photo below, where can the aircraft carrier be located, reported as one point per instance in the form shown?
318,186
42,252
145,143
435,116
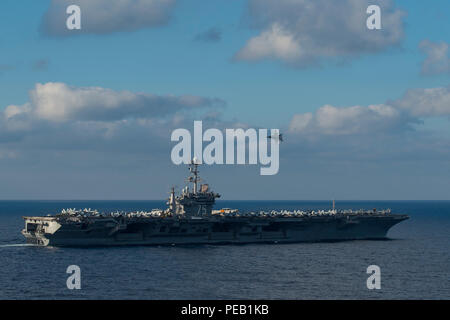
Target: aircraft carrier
190,219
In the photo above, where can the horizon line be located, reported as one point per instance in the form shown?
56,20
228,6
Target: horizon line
248,200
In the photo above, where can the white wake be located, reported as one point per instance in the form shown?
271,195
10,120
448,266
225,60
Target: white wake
17,245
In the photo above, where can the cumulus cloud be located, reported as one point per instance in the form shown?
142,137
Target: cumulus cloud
105,16
60,102
62,125
301,32
437,60
395,115
273,43
74,132
357,119
431,102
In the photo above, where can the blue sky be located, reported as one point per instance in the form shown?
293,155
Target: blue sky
167,60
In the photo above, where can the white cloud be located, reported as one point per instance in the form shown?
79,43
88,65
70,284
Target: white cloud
13,110
430,102
59,102
356,119
394,115
301,32
437,59
300,122
61,119
106,16
274,43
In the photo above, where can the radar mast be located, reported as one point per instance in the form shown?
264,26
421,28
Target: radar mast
194,178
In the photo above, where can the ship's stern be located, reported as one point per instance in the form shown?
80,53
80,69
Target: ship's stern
37,229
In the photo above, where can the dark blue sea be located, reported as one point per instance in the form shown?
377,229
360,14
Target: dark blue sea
414,262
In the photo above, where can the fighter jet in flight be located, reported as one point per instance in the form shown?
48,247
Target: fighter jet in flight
276,136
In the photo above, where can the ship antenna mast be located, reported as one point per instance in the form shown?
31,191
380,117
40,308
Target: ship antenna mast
194,178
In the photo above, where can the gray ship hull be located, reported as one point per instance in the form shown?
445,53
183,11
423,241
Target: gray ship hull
190,219
48,231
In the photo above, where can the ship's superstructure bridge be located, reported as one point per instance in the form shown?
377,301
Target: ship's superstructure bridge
195,202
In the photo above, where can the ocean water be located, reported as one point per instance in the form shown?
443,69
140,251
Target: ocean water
414,262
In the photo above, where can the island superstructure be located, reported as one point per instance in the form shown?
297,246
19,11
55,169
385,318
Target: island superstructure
191,219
